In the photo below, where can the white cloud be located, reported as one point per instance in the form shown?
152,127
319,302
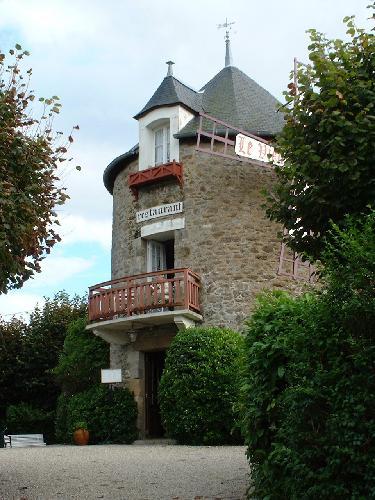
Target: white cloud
19,304
47,22
88,196
57,269
76,229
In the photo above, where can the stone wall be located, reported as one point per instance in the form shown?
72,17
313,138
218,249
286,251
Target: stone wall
227,239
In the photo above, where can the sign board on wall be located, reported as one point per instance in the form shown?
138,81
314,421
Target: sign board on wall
111,376
257,150
159,211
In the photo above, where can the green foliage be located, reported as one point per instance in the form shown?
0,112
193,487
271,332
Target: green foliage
79,425
28,352
25,419
61,425
30,153
12,334
110,415
81,359
308,398
328,141
199,386
350,268
42,345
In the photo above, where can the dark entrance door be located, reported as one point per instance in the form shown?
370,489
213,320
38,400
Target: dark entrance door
154,365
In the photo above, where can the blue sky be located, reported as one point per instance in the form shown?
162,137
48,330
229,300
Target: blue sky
105,59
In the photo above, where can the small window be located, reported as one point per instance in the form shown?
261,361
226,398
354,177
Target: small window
162,145
160,255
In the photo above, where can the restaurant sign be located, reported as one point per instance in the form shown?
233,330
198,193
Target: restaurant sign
159,211
257,150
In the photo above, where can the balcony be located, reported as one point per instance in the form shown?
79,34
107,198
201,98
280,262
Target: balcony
144,300
159,173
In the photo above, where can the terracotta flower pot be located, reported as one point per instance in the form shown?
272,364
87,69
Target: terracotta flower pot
81,437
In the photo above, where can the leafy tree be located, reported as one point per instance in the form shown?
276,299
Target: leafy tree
43,344
30,153
328,141
28,352
308,395
11,340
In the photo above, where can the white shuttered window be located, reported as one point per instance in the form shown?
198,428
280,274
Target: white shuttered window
155,256
162,145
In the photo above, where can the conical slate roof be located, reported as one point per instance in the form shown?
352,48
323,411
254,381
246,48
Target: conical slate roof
172,91
230,96
233,97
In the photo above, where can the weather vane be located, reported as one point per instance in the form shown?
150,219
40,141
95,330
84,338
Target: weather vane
226,25
228,54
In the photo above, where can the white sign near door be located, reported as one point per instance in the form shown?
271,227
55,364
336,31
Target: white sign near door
111,376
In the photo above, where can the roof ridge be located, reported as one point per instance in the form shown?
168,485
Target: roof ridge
183,83
172,91
233,88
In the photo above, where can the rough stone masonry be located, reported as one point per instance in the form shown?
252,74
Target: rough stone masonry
227,240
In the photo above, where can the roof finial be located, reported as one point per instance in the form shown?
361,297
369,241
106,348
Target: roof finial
228,53
170,69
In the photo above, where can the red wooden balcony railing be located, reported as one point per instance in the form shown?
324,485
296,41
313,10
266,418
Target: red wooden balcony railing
143,293
155,174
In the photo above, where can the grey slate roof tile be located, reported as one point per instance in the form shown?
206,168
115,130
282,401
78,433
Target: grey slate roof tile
233,97
172,91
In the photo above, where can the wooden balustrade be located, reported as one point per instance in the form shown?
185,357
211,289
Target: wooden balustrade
160,291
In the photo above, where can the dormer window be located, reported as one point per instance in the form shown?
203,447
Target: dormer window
157,128
162,145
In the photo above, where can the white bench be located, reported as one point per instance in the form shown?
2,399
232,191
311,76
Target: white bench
23,440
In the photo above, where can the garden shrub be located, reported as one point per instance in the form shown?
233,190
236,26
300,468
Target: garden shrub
308,401
81,359
23,418
199,386
62,436
111,415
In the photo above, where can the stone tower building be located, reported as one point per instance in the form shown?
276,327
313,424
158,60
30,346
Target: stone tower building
191,244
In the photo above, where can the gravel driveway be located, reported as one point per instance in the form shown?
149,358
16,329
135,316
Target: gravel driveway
123,472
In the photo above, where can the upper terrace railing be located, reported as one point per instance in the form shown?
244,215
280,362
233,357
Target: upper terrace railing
133,296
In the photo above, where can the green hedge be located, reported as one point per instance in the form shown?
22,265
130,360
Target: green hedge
81,359
25,419
308,405
199,386
61,426
111,415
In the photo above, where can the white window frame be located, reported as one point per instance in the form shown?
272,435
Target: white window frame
155,247
164,145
